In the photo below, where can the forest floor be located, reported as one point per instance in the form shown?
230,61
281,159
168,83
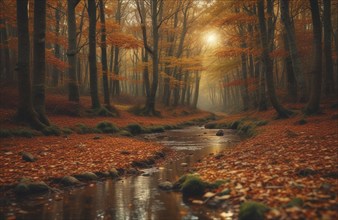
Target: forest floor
69,154
287,159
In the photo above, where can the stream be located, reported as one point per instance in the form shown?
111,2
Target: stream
135,197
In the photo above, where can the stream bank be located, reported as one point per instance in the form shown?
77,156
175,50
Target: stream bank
135,197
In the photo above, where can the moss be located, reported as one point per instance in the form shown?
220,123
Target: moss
156,129
24,133
103,111
66,130
5,133
261,123
193,186
107,127
84,129
252,211
135,128
125,133
52,130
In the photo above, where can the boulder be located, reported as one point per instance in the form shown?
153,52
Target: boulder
114,173
166,185
86,176
193,186
70,181
220,132
38,187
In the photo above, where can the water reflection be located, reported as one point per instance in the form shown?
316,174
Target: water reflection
135,197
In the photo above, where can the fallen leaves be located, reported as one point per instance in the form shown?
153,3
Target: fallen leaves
285,160
61,156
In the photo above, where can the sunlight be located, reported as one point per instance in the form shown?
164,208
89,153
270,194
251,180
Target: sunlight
211,38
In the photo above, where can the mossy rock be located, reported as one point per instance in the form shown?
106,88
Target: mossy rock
21,189
193,186
88,176
252,211
113,173
70,181
295,202
38,187
28,187
83,129
135,128
107,127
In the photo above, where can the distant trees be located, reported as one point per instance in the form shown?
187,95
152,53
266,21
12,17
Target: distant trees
154,49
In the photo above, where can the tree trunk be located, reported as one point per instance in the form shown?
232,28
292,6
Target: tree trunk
73,86
197,89
296,62
92,54
57,51
291,79
104,56
268,64
25,110
313,106
116,82
329,81
4,51
39,63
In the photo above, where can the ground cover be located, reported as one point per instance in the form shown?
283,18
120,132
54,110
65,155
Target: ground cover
290,165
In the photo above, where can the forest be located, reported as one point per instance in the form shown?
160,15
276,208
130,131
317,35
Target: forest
233,103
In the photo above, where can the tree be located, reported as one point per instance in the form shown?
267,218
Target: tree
149,108
57,49
92,54
313,105
104,55
39,67
329,81
267,62
73,86
293,50
25,110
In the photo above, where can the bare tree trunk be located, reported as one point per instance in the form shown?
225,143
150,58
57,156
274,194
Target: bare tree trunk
104,56
4,51
197,88
291,79
92,54
329,81
72,52
39,67
296,62
57,52
282,112
25,110
116,82
313,106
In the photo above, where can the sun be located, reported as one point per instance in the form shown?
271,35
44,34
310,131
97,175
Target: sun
211,38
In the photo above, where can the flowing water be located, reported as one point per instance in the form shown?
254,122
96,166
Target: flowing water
136,197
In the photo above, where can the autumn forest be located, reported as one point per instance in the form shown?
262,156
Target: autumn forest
168,109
